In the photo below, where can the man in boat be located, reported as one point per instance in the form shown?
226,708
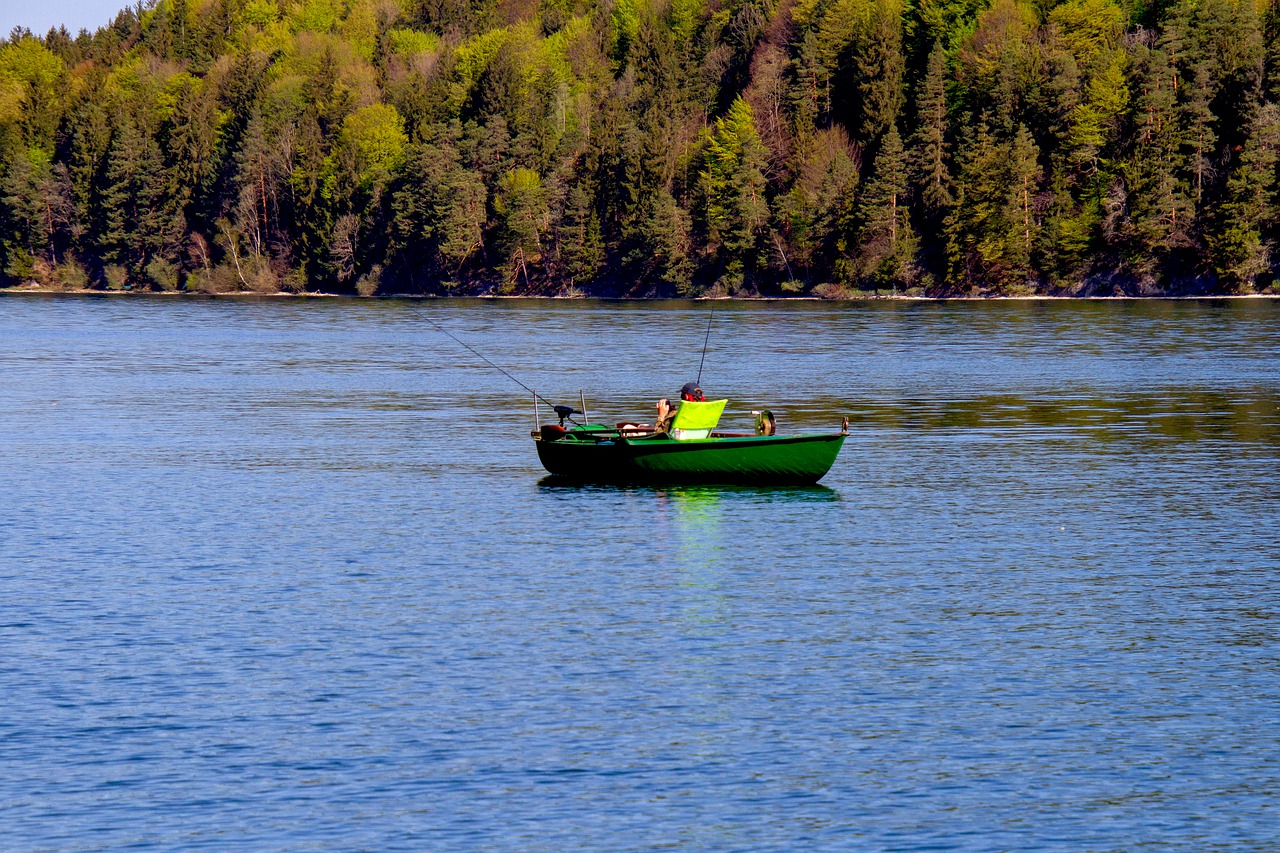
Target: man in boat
691,391
666,414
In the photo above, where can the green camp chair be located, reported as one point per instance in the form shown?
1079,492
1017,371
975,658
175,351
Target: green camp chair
696,420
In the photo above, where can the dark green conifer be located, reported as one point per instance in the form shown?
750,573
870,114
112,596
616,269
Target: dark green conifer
1245,246
929,153
879,65
887,244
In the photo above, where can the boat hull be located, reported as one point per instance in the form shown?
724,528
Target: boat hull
797,460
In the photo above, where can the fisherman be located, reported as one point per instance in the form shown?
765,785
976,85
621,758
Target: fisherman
666,414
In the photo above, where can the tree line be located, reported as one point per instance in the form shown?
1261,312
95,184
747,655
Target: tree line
647,147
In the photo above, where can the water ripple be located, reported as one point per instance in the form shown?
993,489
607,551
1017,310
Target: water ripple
285,575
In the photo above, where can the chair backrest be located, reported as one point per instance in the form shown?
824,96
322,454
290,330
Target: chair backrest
696,420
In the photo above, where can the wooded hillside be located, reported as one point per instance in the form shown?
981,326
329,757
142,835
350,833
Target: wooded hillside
647,147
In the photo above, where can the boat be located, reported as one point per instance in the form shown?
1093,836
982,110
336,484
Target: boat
690,451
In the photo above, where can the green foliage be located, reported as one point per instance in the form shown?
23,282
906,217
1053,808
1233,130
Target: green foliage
685,16
880,66
930,148
994,226
811,212
521,207
31,92
887,243
734,184
624,26
409,43
318,16
374,139
39,221
1088,29
260,13
580,238
1245,244
634,147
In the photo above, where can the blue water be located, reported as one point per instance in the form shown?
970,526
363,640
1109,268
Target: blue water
286,575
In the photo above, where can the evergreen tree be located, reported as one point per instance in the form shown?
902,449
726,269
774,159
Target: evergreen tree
313,221
521,207
822,197
581,247
1199,137
887,244
878,62
38,214
139,219
439,205
1158,210
972,221
1020,216
929,148
667,228
1244,248
734,185
463,145
190,137
995,226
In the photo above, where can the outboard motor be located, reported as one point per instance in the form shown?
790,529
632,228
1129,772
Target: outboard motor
765,423
563,412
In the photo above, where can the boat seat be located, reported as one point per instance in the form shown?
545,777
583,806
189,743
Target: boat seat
696,420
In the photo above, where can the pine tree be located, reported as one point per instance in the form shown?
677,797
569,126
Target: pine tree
190,142
1020,216
994,226
313,222
439,204
521,206
1245,245
810,214
667,229
808,102
1198,134
734,186
878,62
581,248
138,217
90,138
1159,211
461,217
929,148
887,243
37,213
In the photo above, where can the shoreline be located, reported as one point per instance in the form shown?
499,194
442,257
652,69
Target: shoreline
1038,297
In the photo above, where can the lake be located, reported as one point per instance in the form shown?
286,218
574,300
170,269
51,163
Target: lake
286,575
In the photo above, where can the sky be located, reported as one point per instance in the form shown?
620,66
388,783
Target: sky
40,15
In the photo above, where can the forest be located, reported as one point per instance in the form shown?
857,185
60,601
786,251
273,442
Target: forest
647,148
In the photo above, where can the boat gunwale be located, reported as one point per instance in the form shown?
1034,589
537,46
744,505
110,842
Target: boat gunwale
614,437
733,440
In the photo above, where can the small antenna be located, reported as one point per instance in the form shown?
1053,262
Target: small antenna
704,343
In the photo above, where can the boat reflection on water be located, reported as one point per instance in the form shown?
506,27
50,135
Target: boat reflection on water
693,521
702,493
692,531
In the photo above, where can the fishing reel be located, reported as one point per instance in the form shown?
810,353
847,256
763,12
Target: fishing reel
766,424
564,413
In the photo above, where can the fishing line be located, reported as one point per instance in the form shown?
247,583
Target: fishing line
478,355
704,344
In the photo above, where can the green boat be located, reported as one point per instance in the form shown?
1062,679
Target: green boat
690,451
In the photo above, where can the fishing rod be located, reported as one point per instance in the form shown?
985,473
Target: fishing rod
479,355
705,341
